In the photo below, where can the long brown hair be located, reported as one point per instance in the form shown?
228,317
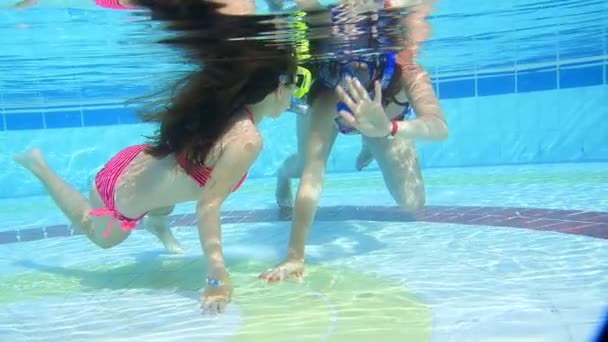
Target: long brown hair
230,74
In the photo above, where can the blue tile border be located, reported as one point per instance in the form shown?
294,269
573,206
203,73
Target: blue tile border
24,121
571,75
457,88
536,81
496,85
68,118
100,117
581,77
127,116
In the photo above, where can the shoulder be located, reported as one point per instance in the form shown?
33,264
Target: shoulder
243,134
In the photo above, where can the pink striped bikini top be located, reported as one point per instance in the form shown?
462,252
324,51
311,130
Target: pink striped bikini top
201,174
112,4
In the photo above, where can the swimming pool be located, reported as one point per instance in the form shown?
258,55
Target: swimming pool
512,244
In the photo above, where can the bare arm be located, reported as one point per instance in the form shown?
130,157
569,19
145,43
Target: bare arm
430,123
321,136
236,158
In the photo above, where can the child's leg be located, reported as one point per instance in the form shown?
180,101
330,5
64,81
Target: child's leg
156,223
292,166
71,202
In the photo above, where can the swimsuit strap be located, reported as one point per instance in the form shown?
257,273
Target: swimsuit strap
249,115
126,224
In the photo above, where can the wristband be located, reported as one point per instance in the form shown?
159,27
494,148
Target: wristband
217,282
394,128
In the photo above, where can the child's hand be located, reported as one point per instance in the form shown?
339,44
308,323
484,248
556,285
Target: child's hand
366,114
216,298
284,270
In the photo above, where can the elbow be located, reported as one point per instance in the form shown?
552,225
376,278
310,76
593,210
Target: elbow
438,128
443,132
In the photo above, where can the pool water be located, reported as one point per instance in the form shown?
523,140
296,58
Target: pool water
512,245
373,273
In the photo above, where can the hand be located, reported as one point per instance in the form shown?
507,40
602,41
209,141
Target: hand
367,115
216,298
283,271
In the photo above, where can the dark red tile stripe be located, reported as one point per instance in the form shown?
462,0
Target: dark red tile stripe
576,222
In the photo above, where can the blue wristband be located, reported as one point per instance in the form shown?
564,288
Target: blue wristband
216,282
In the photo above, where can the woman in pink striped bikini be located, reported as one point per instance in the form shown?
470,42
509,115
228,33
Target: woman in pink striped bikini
234,7
206,141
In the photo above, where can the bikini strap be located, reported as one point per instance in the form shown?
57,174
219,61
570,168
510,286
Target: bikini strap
249,115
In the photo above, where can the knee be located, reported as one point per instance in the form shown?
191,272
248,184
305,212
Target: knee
105,243
310,189
166,211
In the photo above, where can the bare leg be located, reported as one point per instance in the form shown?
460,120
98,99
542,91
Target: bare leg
320,139
398,161
365,156
71,202
156,223
292,167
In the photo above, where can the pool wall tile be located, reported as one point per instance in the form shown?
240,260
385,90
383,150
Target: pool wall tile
538,80
63,119
576,77
543,115
496,84
24,121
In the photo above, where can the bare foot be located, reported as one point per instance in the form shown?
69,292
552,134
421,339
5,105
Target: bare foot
158,227
33,160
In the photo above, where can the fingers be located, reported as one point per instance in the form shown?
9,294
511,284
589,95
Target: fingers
273,276
349,118
346,98
221,307
378,92
355,87
280,274
214,305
